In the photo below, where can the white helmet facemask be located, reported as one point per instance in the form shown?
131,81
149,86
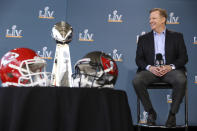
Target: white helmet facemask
33,73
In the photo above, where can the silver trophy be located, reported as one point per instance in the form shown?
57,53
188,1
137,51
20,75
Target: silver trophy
62,70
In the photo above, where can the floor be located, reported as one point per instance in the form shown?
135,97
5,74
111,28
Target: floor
164,129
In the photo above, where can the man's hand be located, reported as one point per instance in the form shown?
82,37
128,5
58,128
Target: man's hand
155,70
160,70
165,69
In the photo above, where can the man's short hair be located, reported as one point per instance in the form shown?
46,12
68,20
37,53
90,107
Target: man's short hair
162,12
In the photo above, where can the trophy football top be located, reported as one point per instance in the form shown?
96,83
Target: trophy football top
62,32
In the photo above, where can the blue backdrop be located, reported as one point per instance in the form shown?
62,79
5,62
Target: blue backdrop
112,26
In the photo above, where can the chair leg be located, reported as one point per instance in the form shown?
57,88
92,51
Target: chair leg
186,109
138,114
139,128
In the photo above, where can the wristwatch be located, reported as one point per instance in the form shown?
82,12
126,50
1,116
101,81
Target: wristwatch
172,66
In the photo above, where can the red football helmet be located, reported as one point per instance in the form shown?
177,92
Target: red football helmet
96,69
23,67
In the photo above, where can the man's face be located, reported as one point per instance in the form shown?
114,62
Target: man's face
156,21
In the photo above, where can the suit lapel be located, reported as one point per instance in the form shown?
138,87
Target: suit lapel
167,45
152,47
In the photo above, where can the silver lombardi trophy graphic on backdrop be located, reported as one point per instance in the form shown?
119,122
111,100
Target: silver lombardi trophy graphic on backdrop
62,70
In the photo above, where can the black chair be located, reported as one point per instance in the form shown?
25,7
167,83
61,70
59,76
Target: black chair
162,85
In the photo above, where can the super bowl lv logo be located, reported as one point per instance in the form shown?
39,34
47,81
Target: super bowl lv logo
169,98
13,32
115,17
45,54
46,13
195,40
195,79
116,56
172,19
85,36
143,117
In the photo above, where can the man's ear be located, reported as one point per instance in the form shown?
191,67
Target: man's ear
164,20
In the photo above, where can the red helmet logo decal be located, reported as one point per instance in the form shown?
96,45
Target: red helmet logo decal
8,57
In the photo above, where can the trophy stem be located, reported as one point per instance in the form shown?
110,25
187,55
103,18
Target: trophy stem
62,69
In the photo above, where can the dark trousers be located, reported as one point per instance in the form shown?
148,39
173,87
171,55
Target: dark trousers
176,78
